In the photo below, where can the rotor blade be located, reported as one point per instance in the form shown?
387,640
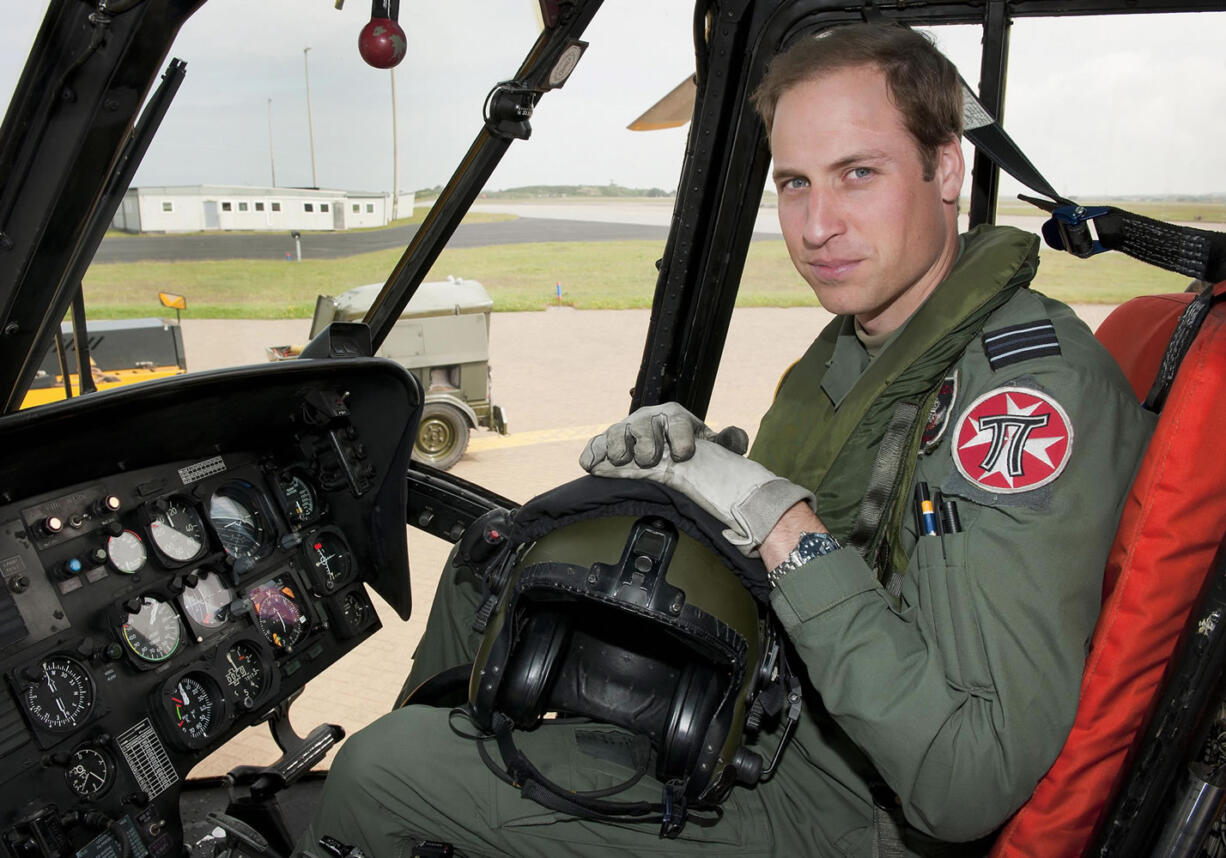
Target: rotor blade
671,111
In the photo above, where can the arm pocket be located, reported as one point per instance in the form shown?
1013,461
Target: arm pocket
947,611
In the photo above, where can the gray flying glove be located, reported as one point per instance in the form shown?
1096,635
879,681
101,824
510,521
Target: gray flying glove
739,492
644,437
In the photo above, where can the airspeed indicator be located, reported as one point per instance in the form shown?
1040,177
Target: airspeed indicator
177,529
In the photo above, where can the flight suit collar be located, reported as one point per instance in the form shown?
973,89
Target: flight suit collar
847,363
850,358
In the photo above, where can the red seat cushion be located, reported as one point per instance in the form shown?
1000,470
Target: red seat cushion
1172,523
1137,334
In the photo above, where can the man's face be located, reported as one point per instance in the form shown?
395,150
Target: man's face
862,226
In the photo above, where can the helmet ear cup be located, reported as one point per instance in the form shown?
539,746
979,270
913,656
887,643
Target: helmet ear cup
531,666
690,714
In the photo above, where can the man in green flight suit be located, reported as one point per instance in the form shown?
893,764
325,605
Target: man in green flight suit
942,653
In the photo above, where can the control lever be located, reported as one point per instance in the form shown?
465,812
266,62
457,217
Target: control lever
298,755
239,835
259,807
312,749
351,475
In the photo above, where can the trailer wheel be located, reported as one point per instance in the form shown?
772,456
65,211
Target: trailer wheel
442,436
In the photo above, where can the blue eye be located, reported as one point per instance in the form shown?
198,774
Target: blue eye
861,172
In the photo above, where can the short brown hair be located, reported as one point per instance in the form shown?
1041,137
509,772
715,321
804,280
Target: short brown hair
922,82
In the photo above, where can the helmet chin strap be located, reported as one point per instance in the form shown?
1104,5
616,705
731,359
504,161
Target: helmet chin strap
672,812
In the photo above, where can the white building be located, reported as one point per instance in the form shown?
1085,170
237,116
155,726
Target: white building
218,207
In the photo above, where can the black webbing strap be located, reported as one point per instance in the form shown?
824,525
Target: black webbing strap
882,489
1181,340
982,129
1196,253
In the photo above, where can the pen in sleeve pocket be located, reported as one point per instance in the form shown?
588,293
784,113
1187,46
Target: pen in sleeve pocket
925,512
951,522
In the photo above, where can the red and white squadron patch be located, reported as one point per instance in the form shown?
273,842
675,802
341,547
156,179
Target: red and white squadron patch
1012,439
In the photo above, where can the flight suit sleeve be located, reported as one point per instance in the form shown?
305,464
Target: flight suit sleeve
963,692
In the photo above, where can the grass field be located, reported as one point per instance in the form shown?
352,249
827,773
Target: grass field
1186,211
593,275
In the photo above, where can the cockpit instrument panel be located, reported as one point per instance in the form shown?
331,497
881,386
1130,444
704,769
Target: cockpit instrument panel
169,580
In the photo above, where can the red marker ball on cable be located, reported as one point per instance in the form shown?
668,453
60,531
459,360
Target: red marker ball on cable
382,42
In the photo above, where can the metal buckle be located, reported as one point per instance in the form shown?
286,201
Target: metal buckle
1069,230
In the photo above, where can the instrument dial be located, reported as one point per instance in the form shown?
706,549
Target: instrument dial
89,773
153,632
239,523
208,603
61,698
278,614
245,674
177,529
300,500
126,552
356,610
328,559
194,706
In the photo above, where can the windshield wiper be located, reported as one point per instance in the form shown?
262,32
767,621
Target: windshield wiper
116,185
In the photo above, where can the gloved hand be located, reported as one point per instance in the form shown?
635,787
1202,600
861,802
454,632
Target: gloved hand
648,432
739,492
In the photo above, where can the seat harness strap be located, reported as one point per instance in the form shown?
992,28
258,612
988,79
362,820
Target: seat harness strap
1196,253
1181,340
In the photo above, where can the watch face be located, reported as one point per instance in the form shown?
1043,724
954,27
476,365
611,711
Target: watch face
809,546
814,545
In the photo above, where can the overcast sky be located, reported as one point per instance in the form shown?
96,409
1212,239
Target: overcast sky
1127,106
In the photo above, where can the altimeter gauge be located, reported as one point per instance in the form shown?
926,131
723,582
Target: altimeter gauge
246,676
60,694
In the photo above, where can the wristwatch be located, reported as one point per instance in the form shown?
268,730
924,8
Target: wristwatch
809,545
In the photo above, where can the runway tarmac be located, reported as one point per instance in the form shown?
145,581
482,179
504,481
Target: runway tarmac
335,245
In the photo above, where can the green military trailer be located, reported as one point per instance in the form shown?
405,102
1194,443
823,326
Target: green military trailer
442,337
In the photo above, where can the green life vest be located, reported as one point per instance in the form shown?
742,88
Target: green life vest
832,447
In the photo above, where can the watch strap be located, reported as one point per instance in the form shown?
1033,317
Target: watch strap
810,545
